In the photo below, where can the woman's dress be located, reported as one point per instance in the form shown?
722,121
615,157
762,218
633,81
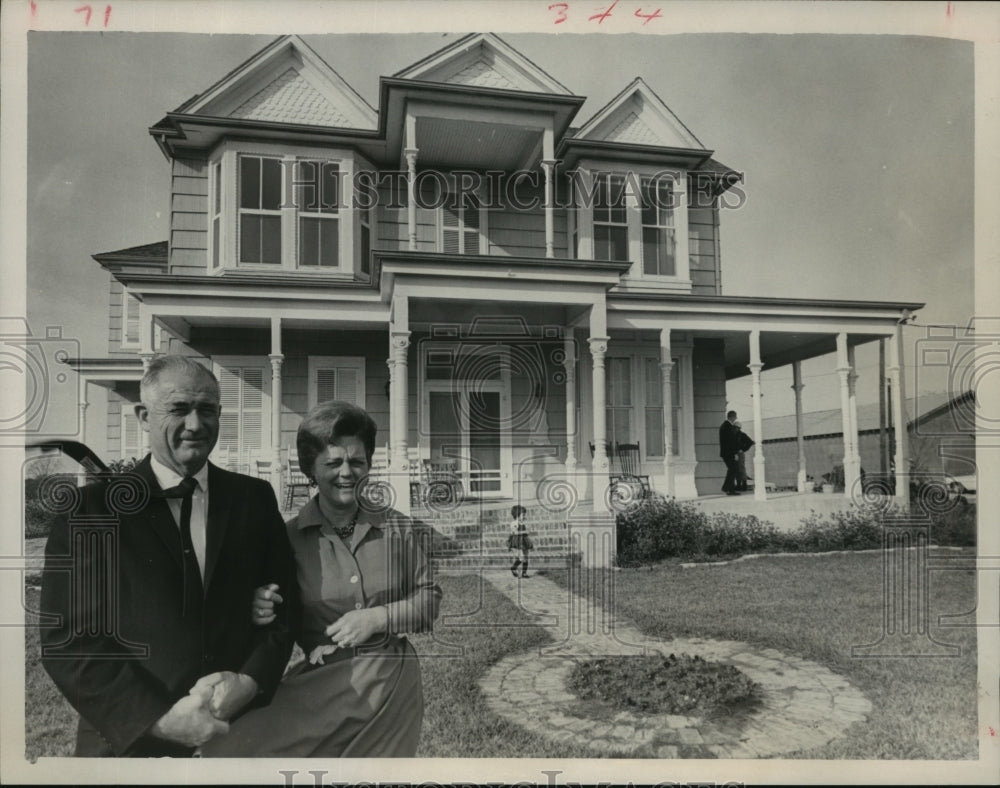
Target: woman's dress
363,702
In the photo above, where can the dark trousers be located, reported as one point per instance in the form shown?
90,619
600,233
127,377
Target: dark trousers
732,473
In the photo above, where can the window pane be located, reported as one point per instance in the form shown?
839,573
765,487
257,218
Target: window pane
619,381
658,251
654,432
329,238
249,182
471,242
329,179
616,198
308,241
215,242
216,186
306,191
250,239
270,231
654,386
366,249
271,185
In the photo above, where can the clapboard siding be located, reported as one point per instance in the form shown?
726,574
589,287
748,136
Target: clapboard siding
189,216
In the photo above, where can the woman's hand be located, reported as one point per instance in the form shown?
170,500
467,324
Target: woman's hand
355,627
264,600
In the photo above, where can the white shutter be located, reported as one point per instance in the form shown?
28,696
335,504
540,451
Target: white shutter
130,320
130,432
337,377
244,397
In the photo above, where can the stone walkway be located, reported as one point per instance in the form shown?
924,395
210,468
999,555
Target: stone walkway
804,704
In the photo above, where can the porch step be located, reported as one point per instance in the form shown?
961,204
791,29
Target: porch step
561,560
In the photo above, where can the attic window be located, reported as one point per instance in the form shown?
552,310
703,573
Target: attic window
260,210
610,218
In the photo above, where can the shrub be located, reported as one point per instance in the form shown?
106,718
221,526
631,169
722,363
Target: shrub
854,529
955,527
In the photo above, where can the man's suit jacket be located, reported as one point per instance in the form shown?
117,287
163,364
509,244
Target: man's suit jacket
729,439
123,651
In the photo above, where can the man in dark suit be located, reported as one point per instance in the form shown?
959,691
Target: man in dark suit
152,590
729,445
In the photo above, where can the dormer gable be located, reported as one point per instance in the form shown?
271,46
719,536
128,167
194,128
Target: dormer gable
638,116
286,82
483,60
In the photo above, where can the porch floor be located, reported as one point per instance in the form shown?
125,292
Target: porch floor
785,510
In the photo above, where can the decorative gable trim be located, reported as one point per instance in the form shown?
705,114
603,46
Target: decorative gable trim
638,116
483,60
286,82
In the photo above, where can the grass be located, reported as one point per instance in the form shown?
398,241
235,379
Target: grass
817,608
457,722
813,607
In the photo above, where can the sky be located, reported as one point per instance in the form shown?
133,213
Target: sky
857,154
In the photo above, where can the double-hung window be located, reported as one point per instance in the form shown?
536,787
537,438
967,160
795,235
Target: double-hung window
659,252
317,186
610,218
260,181
619,399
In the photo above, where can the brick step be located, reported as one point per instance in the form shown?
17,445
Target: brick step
465,530
554,561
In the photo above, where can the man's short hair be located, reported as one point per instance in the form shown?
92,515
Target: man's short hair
173,363
731,415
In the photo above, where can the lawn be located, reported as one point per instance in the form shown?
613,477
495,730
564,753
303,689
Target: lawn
817,608
813,607
456,721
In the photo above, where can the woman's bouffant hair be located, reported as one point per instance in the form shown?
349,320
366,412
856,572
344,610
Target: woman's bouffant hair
327,423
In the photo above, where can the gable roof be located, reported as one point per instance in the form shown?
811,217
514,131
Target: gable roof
483,60
286,82
638,116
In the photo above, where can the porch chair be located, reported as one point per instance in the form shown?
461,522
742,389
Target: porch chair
629,466
608,448
262,468
440,482
296,481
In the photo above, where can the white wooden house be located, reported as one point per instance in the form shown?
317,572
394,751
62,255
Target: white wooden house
499,282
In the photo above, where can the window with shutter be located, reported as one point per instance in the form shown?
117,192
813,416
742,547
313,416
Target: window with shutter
130,320
130,432
244,397
461,222
337,377
619,399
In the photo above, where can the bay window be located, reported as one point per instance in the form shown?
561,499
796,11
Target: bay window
610,218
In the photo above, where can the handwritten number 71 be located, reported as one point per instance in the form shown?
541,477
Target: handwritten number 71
88,10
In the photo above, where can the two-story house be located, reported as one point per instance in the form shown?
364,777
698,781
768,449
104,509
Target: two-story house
500,288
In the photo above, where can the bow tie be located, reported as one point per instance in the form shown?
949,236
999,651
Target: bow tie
183,490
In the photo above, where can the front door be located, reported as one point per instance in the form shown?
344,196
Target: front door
469,425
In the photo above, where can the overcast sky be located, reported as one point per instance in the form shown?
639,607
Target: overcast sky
857,153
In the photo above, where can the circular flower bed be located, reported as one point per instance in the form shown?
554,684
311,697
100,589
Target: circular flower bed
663,685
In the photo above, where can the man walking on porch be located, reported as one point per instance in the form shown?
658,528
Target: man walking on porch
729,445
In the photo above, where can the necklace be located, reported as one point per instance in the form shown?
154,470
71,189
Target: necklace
345,531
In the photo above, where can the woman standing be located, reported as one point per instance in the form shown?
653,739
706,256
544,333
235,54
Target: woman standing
364,582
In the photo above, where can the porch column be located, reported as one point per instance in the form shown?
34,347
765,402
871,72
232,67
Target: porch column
844,369
390,363
800,438
398,429
411,197
900,433
83,412
569,365
666,367
276,358
549,165
598,342
756,365
852,396
146,355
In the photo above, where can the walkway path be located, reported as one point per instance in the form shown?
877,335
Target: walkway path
804,704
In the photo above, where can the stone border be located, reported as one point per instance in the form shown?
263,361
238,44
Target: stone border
804,706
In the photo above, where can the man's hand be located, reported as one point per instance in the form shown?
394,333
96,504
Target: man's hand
225,693
357,626
264,600
189,722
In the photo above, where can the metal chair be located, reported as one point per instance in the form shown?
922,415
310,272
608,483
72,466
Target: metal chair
629,466
439,482
296,481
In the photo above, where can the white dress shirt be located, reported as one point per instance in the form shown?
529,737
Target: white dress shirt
167,478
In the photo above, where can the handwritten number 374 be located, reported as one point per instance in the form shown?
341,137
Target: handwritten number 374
562,14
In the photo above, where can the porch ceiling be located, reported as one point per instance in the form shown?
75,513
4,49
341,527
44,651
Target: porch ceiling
780,348
446,144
